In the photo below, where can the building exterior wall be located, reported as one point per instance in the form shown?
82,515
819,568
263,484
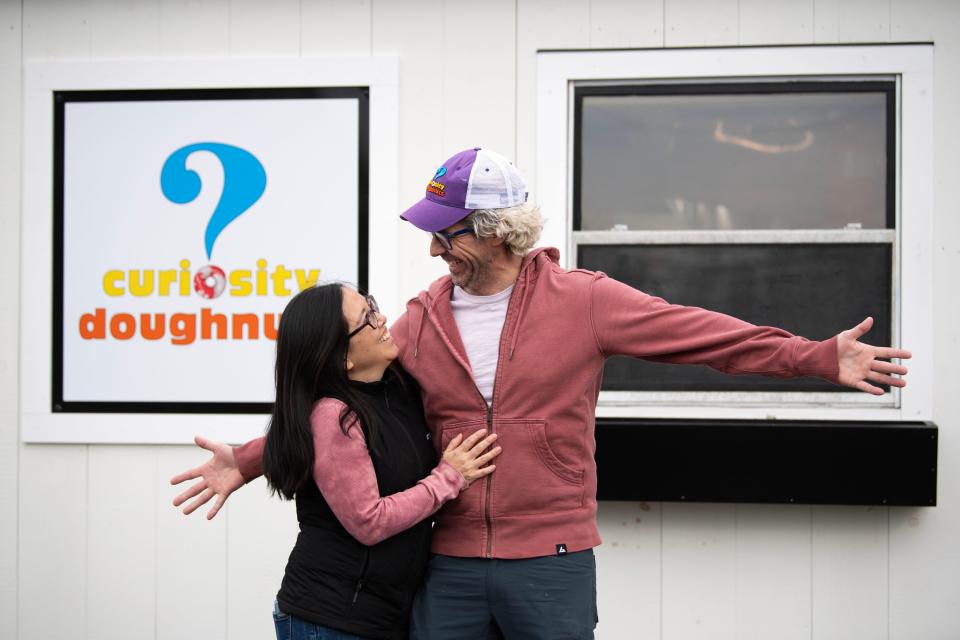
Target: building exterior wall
89,544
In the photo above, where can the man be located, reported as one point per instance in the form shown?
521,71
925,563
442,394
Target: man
511,341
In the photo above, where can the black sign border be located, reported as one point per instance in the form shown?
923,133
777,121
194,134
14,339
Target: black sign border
62,98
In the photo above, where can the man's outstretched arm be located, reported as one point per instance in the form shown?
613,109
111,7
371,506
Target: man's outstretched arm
225,472
635,324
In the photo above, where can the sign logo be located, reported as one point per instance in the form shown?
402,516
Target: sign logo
244,181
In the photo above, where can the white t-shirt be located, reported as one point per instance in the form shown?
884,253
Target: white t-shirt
480,322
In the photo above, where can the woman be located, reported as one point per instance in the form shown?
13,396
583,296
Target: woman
347,440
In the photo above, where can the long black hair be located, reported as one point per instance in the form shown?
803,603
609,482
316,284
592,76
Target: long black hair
312,348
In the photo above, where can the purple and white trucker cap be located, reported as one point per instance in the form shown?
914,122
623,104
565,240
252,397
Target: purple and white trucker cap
473,179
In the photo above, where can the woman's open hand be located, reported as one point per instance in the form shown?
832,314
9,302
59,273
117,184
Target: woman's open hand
467,456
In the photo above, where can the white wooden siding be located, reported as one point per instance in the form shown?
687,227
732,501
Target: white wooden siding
11,39
89,544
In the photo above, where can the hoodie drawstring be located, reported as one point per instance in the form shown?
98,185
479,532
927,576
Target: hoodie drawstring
523,305
416,340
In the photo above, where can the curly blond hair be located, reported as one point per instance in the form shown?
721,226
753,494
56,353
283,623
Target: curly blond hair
518,226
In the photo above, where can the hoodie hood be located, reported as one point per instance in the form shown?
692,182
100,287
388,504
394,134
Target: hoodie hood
533,263
440,290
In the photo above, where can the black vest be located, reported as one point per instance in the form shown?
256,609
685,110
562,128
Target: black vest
333,580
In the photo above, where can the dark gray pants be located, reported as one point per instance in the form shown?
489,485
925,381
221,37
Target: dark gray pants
549,598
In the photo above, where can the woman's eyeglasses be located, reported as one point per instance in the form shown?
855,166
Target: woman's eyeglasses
371,317
445,238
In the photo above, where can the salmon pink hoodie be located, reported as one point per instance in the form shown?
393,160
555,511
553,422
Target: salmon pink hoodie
559,329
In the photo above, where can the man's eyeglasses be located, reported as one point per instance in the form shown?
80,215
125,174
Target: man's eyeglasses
371,317
445,238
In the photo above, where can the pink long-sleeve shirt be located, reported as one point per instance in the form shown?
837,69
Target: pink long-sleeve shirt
344,473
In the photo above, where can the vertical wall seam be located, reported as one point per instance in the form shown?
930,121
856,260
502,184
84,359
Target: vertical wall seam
590,24
736,562
811,572
739,18
662,505
443,85
86,545
16,565
739,27
888,574
226,576
156,546
516,80
813,21
663,24
889,34
515,95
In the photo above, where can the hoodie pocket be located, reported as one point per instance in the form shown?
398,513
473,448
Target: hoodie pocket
469,501
530,478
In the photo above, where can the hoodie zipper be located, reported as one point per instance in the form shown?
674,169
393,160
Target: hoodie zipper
487,520
487,517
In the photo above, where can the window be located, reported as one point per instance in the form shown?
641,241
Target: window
673,182
773,184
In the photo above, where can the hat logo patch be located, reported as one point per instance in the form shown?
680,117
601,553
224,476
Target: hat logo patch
437,187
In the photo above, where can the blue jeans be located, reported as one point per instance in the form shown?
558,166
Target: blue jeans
293,628
548,598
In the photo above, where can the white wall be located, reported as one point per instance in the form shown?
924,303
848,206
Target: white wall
89,546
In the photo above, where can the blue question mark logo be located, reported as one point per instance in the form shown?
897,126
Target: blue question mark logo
244,181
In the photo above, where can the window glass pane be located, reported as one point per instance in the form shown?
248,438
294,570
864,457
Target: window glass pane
733,160
813,290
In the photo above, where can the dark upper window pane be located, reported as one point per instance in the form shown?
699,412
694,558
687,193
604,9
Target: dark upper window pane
733,160
813,290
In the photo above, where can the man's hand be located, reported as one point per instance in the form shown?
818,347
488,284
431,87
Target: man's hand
860,362
219,476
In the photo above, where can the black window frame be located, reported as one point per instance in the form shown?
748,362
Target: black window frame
60,100
740,88
720,86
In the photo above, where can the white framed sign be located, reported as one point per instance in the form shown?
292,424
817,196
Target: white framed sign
181,221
